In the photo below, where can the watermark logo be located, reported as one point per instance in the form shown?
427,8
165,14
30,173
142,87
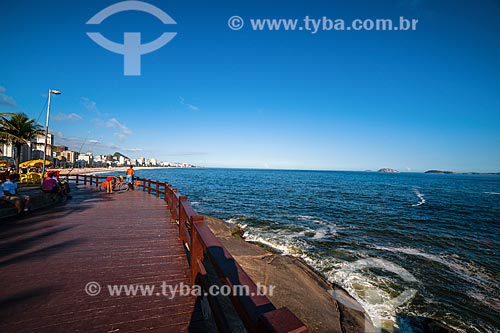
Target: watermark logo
132,49
92,288
235,22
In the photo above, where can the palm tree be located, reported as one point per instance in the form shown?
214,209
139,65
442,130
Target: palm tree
19,129
3,136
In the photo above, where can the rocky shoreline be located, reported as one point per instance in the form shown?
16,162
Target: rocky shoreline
321,305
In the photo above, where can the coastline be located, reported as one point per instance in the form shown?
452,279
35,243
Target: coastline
92,171
88,170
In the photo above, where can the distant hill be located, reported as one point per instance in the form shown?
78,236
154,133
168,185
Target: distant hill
118,154
387,170
461,173
439,172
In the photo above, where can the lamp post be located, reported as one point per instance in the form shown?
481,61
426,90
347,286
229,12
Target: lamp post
55,92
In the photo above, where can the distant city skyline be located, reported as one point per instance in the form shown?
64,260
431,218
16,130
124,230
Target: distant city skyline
217,96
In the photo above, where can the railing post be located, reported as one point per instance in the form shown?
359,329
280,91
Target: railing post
174,204
84,179
165,192
170,197
157,189
77,179
196,251
144,185
183,221
149,186
181,217
178,206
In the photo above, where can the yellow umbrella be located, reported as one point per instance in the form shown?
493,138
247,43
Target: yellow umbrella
34,164
4,163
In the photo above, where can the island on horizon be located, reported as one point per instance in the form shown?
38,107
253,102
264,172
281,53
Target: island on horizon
441,172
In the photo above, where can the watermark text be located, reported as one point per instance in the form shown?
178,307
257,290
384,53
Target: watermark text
320,24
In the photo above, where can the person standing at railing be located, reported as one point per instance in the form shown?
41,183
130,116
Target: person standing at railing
130,178
109,184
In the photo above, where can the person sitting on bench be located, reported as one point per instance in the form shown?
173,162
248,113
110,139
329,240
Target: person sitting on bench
51,185
10,194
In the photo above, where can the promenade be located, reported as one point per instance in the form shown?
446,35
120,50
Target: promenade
47,259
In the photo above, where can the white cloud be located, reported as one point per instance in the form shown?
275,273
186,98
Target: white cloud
89,104
189,106
6,99
57,134
114,123
67,117
80,144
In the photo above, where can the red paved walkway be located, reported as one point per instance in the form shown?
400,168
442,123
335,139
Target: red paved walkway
124,238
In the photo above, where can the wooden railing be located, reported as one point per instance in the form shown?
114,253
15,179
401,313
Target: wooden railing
256,311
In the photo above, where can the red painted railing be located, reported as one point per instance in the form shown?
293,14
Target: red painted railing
256,311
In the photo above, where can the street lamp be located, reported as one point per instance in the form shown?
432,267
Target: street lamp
55,92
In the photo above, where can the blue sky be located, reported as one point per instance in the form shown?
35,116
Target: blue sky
339,100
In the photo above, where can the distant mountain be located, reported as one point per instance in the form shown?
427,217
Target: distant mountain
387,170
118,154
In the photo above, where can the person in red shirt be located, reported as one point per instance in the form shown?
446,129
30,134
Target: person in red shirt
109,186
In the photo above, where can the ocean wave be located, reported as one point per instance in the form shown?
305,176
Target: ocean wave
485,299
326,231
379,304
239,221
483,286
454,264
492,193
420,197
284,247
234,220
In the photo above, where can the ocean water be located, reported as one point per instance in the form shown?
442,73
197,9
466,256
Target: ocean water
407,246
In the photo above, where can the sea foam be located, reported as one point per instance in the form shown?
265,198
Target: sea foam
420,197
